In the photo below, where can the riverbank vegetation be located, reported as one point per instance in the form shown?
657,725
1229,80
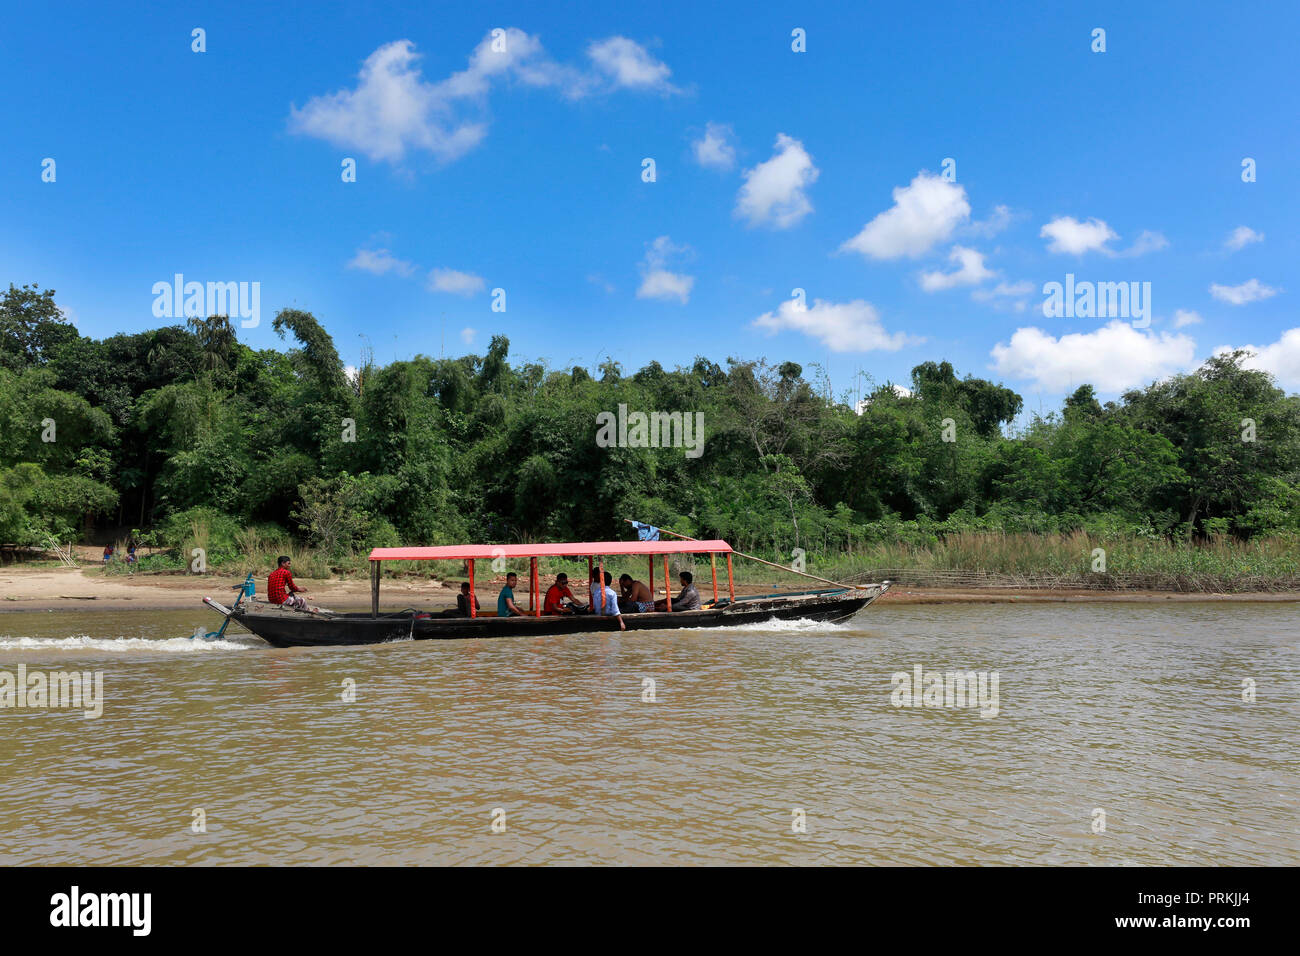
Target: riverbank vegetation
184,438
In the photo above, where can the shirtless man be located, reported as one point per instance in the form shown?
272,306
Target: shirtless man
634,596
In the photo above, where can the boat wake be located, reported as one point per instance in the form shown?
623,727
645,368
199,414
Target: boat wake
122,645
798,625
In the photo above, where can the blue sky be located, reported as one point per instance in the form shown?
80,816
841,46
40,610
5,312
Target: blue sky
522,169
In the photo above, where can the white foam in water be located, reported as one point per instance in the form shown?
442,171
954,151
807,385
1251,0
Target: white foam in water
170,645
801,625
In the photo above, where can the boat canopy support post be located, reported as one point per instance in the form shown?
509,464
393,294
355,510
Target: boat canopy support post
713,565
600,585
668,586
731,583
374,589
651,561
473,599
534,589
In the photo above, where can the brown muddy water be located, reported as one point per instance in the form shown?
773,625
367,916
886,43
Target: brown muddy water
1135,711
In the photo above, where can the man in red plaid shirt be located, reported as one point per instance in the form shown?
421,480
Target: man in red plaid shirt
280,588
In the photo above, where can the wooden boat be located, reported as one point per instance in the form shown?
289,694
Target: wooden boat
285,627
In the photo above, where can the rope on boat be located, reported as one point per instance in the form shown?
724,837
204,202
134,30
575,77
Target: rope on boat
770,564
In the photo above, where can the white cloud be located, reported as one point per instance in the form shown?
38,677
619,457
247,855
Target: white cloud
628,64
1069,236
773,193
1281,359
467,335
1250,291
1004,290
1072,237
924,213
1006,295
1242,236
657,282
1113,358
840,326
1147,241
380,261
998,220
1186,317
970,271
714,149
457,283
393,110
662,284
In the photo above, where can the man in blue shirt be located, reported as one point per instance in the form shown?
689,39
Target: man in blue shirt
608,604
506,599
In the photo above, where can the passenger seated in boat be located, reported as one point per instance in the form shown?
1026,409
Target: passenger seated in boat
280,588
634,597
603,599
556,595
463,599
506,606
687,600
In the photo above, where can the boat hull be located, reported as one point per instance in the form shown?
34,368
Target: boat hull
285,628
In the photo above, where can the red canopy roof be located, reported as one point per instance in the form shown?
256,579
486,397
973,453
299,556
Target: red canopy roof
577,549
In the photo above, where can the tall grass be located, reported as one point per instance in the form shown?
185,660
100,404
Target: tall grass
1083,560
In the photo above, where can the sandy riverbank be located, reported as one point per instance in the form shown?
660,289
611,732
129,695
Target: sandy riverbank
42,589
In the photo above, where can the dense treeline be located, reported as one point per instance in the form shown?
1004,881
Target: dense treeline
150,430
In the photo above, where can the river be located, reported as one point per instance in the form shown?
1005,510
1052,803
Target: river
1119,735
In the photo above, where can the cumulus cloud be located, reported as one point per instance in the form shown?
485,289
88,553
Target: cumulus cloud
457,283
467,335
628,64
393,110
1113,358
380,261
1240,237
1067,235
925,213
657,281
1250,291
714,149
840,326
1186,317
970,271
1281,359
774,190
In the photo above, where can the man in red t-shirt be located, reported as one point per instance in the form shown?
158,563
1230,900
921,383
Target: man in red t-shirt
558,592
280,588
